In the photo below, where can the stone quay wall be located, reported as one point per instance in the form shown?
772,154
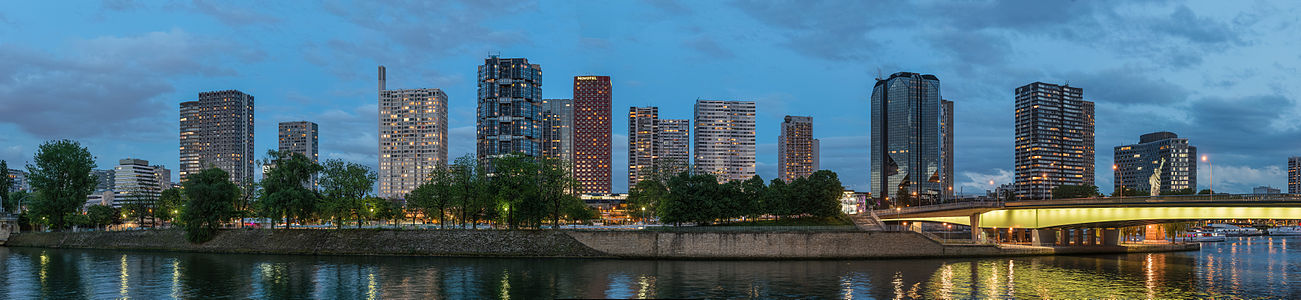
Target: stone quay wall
757,245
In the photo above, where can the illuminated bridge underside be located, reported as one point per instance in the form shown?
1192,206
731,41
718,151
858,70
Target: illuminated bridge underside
1107,216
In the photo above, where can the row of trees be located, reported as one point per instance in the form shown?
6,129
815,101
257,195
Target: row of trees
701,199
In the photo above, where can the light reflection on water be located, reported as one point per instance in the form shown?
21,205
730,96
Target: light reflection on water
1259,267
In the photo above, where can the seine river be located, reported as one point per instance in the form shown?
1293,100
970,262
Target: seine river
1259,267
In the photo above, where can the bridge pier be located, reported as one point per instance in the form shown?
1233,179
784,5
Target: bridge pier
1044,237
975,227
1111,237
1078,236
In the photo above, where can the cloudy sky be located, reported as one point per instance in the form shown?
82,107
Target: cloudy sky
112,74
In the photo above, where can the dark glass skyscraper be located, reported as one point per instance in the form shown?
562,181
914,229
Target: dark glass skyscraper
906,142
509,116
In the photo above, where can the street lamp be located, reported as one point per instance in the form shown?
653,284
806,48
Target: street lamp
1211,173
1115,169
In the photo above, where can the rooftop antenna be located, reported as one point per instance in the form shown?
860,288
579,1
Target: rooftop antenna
494,53
878,73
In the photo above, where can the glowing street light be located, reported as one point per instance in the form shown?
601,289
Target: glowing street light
1210,173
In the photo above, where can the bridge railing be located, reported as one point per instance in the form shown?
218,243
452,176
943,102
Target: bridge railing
1216,198
938,207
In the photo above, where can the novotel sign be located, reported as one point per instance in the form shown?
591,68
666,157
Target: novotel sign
585,78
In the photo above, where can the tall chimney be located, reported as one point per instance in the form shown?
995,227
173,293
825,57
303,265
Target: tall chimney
381,78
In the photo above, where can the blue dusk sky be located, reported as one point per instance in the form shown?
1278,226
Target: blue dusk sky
112,74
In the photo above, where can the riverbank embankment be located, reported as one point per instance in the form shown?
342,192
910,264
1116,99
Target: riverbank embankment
562,243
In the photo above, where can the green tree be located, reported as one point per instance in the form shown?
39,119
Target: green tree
692,198
170,203
212,200
382,210
1205,192
556,187
345,186
1075,191
286,188
61,178
644,199
435,195
821,192
101,216
6,183
515,179
1187,191
1128,192
14,202
466,176
776,199
750,201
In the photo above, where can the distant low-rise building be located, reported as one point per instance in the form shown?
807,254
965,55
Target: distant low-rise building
20,181
610,207
851,202
1265,190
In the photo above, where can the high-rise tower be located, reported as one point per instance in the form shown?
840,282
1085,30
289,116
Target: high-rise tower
724,139
1054,139
907,168
217,131
509,116
592,134
656,145
412,137
797,150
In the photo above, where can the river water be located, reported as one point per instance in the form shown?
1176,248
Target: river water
1258,267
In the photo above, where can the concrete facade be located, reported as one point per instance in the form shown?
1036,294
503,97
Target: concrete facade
1054,139
217,131
725,139
592,97
797,150
412,137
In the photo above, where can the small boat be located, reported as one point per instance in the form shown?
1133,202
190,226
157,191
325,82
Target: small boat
1233,231
1285,230
1204,236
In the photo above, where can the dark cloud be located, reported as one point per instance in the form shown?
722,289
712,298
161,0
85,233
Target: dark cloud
835,30
114,81
1127,86
434,28
1246,116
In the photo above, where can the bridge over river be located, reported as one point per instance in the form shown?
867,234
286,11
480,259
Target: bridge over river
1094,220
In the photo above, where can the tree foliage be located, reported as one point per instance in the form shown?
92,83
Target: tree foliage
102,215
6,183
699,198
60,175
345,186
644,198
1075,191
170,203
212,199
287,188
434,196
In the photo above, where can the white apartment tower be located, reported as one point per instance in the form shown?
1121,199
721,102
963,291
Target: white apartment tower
135,181
412,137
724,139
